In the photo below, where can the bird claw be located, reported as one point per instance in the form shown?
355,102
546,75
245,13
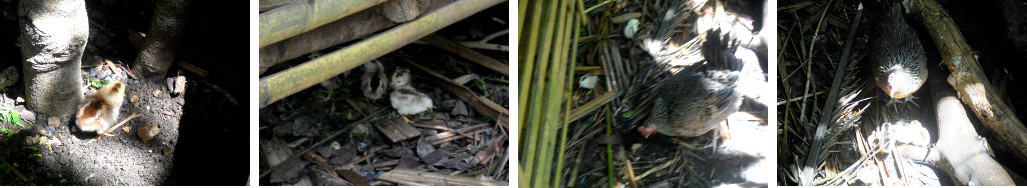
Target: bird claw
328,96
909,99
406,119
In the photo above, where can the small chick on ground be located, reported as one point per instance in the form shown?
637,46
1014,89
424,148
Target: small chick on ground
405,99
100,110
330,85
373,81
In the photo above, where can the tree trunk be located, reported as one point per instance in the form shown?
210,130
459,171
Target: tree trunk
165,36
53,37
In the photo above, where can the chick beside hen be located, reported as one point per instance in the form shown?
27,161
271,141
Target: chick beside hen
100,110
404,98
373,80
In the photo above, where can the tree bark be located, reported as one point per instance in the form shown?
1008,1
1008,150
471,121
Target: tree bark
969,81
53,38
158,52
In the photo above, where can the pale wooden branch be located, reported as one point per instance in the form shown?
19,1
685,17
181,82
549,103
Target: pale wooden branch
968,79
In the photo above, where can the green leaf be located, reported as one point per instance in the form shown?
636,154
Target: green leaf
90,176
628,114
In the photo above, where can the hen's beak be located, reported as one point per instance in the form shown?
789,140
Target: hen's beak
645,132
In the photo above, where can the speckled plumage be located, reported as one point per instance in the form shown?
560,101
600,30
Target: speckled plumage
373,81
698,98
404,98
693,103
896,55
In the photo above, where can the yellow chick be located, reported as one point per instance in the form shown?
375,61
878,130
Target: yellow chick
405,99
100,110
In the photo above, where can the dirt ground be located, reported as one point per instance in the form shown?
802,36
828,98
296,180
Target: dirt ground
203,131
362,152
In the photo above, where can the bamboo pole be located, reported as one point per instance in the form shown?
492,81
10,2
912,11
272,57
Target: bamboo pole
285,83
969,80
352,27
302,16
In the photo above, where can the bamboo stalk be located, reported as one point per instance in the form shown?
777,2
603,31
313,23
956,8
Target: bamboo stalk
352,27
535,108
569,42
296,18
285,83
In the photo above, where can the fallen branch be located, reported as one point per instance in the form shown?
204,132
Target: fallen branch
104,133
969,80
15,171
466,53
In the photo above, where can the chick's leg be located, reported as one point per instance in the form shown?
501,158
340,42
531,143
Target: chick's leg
406,119
328,95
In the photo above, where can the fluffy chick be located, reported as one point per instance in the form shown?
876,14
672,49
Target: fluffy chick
373,81
405,99
100,110
330,85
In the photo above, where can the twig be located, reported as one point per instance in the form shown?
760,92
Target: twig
134,115
484,42
15,171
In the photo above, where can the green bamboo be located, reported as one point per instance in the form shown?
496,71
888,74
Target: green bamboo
571,33
609,148
555,95
302,16
558,79
529,63
536,105
282,84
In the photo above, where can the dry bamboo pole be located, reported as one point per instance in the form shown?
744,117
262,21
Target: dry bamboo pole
355,26
969,80
285,83
302,16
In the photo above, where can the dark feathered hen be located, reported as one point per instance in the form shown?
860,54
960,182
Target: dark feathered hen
896,55
697,99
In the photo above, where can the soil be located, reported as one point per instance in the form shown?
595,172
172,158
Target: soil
203,137
312,115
